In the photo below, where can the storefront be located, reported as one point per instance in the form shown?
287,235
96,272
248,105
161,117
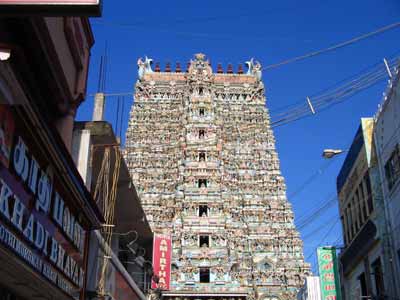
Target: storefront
46,212
43,224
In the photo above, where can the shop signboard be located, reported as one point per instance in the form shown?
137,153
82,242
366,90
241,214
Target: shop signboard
162,251
38,223
328,273
52,7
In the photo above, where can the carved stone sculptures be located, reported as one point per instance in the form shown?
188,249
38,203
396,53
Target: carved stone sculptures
202,154
144,67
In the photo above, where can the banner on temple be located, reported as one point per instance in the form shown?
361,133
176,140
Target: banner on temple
162,250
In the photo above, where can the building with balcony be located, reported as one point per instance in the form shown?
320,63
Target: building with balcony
365,259
387,140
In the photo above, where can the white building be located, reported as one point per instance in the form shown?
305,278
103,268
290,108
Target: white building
311,289
387,139
365,270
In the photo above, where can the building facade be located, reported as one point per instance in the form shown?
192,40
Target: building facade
201,150
387,140
365,260
120,253
46,213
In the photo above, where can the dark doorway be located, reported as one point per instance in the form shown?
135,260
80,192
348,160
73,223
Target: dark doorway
202,156
204,275
202,133
204,241
203,210
202,183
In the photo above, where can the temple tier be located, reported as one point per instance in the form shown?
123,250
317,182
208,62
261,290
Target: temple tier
201,151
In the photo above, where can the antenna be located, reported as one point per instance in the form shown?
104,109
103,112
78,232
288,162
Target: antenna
99,83
105,68
117,116
122,116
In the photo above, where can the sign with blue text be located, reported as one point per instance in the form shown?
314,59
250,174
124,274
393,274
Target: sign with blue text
37,221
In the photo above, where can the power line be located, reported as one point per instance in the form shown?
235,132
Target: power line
313,232
338,84
333,97
323,238
268,67
314,215
337,95
329,97
311,179
183,21
334,47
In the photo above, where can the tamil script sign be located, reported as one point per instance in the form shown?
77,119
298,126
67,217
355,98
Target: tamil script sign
328,273
58,7
37,221
162,250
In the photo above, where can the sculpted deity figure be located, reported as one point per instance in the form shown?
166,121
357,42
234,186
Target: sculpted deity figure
144,66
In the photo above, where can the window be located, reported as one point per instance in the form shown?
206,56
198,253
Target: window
378,277
392,168
363,202
201,111
363,285
369,192
201,91
355,219
203,211
204,241
359,209
201,134
202,183
204,275
349,222
202,156
344,230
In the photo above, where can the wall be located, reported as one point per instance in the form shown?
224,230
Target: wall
387,139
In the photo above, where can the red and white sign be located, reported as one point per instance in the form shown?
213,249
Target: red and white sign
162,251
50,2
51,7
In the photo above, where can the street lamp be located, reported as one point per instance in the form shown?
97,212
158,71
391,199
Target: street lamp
329,153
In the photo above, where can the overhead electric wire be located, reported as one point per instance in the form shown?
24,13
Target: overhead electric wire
331,97
284,62
318,101
319,228
334,47
313,216
311,179
337,86
323,239
337,95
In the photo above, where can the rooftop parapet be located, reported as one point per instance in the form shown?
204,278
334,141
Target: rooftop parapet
199,63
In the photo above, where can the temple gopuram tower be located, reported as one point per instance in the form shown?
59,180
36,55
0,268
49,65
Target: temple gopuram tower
202,155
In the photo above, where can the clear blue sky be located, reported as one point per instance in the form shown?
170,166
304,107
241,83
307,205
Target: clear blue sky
230,31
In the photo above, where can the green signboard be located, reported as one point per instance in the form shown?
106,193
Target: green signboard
328,273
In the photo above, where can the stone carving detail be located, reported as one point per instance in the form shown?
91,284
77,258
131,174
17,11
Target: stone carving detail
206,169
254,68
200,72
144,66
